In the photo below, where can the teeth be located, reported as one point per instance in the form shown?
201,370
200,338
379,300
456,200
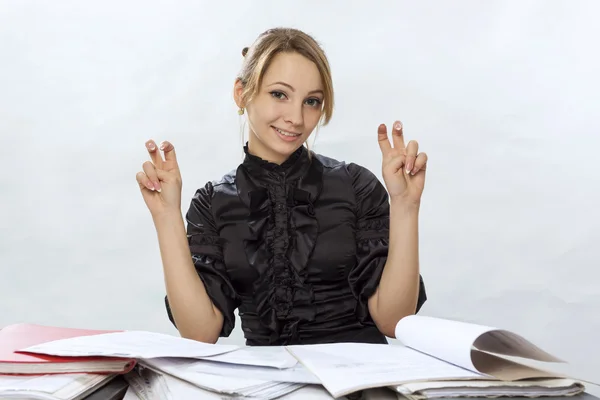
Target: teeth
286,133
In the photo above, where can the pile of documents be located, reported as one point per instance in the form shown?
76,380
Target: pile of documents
438,358
68,386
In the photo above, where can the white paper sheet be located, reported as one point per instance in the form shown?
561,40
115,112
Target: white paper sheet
263,356
243,386
131,344
347,367
296,374
453,340
41,383
180,389
53,386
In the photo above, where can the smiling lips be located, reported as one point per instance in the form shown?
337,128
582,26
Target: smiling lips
286,135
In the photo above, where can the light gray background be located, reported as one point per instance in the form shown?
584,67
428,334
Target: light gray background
502,95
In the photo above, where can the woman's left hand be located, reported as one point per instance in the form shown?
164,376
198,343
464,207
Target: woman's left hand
403,167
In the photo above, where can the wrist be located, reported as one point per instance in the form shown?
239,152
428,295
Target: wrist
405,206
167,217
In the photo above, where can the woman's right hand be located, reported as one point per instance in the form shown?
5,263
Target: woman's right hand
160,180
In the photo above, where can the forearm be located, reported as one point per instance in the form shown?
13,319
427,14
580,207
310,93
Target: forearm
193,311
397,293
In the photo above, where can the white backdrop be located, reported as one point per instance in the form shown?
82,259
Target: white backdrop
502,95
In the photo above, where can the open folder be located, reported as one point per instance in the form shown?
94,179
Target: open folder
435,350
18,336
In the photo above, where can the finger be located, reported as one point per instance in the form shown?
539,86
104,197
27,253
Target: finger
143,181
154,153
396,163
398,136
150,172
169,152
163,176
420,164
411,155
384,141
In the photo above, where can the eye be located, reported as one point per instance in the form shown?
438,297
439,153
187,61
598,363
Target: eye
278,95
314,102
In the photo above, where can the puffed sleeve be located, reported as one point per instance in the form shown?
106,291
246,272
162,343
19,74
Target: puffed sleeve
372,239
207,254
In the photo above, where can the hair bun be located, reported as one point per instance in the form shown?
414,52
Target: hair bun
244,51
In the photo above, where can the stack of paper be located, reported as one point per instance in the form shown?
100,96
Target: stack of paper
295,374
265,373
484,388
164,354
50,387
147,384
228,385
436,351
439,358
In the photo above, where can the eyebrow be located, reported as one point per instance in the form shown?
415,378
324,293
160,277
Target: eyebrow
292,88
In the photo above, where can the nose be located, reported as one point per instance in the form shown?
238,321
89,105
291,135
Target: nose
295,115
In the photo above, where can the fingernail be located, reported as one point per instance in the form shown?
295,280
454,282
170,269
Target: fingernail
398,125
408,167
162,146
150,146
157,186
414,171
150,186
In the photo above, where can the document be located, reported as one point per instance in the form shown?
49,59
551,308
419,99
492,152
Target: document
50,387
473,346
130,344
526,388
295,374
230,385
433,349
41,383
344,368
146,345
147,384
262,356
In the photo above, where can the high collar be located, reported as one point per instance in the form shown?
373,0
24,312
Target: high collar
292,166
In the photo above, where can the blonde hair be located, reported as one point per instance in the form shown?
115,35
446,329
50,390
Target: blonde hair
259,56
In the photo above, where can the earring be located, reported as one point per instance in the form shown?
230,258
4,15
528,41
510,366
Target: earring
241,111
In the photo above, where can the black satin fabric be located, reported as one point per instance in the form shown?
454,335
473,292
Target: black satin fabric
297,248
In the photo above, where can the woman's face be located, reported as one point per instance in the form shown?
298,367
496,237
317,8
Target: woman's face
286,108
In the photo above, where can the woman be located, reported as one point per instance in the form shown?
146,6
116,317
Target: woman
307,248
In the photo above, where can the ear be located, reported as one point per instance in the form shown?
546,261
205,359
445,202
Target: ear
238,89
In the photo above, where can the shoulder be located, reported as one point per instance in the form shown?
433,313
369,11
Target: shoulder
216,186
358,175
201,208
370,195
329,164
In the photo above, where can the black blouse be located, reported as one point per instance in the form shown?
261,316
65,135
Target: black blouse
297,248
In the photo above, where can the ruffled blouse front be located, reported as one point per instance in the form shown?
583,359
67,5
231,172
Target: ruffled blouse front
297,248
